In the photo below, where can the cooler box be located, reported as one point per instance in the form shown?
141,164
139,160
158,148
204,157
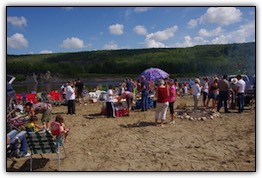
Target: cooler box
120,111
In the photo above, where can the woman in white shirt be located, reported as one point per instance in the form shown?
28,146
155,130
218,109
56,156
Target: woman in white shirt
196,91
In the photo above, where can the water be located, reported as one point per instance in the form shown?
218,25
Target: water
29,87
32,87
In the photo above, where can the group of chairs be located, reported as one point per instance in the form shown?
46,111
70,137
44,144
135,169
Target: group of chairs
53,97
42,142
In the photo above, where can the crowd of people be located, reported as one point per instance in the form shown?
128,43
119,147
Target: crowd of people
163,92
220,91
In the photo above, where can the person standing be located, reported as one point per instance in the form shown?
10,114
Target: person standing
129,85
145,93
162,95
196,92
241,86
205,90
110,109
79,89
224,90
70,97
172,99
233,90
212,93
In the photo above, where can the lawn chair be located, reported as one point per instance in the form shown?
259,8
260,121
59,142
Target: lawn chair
56,97
43,143
31,97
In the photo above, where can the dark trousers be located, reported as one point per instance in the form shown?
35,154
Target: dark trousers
171,107
71,107
240,102
110,109
145,100
222,98
205,95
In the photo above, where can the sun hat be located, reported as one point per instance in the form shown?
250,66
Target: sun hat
20,107
234,80
197,80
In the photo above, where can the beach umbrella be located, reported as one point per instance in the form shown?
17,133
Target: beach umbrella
152,74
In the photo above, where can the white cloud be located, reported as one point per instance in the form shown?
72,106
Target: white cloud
245,31
153,40
162,35
244,34
204,33
199,41
192,23
17,21
189,41
72,43
140,30
46,52
111,45
151,43
221,39
186,43
17,41
142,9
116,29
221,15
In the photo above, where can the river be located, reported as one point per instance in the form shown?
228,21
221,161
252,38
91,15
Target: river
47,87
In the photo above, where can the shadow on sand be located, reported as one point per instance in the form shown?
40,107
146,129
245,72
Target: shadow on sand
93,116
138,124
38,163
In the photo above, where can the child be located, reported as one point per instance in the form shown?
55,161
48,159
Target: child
33,126
63,128
40,107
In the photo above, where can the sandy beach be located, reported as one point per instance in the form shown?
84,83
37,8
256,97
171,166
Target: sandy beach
134,143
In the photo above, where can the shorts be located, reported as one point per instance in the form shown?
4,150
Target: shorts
129,100
46,115
212,96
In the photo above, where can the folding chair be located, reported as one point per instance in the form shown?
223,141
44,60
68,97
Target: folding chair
43,143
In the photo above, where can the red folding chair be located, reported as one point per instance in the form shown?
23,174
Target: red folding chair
31,98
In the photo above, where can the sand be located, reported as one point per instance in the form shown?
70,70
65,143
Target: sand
133,143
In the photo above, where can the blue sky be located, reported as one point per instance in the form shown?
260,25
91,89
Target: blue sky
35,30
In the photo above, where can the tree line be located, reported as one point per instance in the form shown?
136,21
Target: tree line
191,61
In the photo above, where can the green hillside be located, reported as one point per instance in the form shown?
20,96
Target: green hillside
198,60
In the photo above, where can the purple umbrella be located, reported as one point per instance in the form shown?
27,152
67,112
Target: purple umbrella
153,74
